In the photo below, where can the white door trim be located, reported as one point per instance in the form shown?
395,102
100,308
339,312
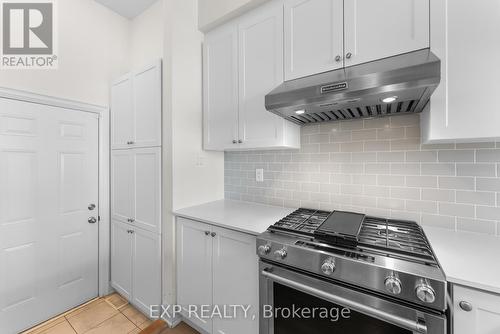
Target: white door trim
104,162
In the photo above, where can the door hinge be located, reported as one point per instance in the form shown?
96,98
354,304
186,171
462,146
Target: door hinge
98,218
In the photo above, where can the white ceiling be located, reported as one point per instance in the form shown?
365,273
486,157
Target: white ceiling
127,8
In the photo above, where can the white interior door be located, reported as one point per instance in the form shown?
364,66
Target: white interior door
48,177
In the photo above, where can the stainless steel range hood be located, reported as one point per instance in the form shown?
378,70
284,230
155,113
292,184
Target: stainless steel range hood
391,86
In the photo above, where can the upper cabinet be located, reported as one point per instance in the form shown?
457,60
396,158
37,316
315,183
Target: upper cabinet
469,86
220,87
384,28
136,109
314,37
261,70
243,61
324,35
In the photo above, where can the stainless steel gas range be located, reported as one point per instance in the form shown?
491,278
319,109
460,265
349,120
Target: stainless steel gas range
382,272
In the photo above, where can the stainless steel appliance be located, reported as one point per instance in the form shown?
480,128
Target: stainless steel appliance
383,271
392,86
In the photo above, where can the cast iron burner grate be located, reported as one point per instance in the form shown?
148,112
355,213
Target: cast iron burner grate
394,237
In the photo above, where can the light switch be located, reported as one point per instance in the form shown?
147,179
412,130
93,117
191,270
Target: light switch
259,175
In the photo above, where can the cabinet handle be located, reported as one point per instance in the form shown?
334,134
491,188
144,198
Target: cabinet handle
338,58
348,55
207,233
235,141
466,306
240,141
213,234
130,143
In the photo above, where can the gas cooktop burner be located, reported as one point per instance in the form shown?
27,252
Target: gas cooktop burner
393,237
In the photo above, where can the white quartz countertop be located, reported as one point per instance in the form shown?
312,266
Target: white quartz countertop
251,218
468,259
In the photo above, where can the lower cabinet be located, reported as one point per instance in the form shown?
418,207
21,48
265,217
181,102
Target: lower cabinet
136,265
217,267
475,312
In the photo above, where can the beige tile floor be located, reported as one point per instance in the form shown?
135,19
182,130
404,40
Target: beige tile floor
108,315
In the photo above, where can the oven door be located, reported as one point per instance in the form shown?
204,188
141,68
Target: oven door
294,303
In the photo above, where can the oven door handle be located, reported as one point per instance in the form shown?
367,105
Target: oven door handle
409,324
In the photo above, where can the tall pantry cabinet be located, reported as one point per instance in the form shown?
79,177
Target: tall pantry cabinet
136,158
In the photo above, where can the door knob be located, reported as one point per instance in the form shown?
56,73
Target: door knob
338,58
91,207
92,220
235,141
348,55
213,234
207,232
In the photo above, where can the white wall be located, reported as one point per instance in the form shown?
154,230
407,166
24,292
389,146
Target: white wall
215,12
93,50
190,184
146,36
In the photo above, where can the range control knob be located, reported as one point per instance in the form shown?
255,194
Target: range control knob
264,249
425,293
393,285
280,254
328,266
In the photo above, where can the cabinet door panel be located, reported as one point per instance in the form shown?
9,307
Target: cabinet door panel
260,71
314,37
146,269
220,88
484,318
122,114
234,262
148,188
469,85
122,185
147,106
384,28
121,258
194,267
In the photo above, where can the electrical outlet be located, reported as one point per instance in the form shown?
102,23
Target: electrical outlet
259,175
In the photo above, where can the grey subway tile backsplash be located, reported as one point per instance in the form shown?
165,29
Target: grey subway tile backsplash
379,167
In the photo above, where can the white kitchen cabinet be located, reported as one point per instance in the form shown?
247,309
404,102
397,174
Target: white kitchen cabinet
384,28
235,262
482,316
464,36
314,37
146,270
217,266
121,258
261,70
194,267
136,108
136,265
136,187
220,89
243,61
122,112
